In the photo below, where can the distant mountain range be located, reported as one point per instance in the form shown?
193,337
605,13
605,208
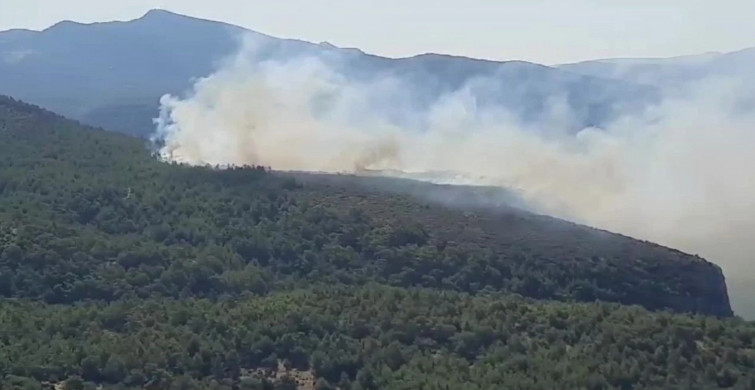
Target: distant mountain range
113,74
670,71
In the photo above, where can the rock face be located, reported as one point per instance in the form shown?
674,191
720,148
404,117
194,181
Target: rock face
712,298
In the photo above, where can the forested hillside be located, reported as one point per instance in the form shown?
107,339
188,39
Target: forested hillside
91,215
122,271
372,337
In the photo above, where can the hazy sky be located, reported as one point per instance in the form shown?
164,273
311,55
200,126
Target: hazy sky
546,31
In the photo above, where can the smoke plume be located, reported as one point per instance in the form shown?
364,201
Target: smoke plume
678,173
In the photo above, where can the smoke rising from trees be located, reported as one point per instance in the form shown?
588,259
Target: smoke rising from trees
677,173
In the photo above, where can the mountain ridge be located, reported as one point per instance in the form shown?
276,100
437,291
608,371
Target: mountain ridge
112,74
156,13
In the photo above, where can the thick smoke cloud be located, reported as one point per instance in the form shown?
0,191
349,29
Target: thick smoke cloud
678,174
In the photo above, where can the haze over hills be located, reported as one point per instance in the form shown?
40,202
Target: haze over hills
671,71
113,74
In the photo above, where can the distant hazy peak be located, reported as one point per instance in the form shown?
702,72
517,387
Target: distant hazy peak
152,17
328,45
683,59
66,24
14,34
159,15
159,12
162,15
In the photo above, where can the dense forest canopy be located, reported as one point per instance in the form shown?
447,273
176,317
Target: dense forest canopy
375,337
121,271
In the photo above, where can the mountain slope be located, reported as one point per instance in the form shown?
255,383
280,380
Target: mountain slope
113,74
90,215
121,272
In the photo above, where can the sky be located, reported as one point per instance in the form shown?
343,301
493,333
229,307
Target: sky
544,31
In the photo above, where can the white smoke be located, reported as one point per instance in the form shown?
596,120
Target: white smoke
678,174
